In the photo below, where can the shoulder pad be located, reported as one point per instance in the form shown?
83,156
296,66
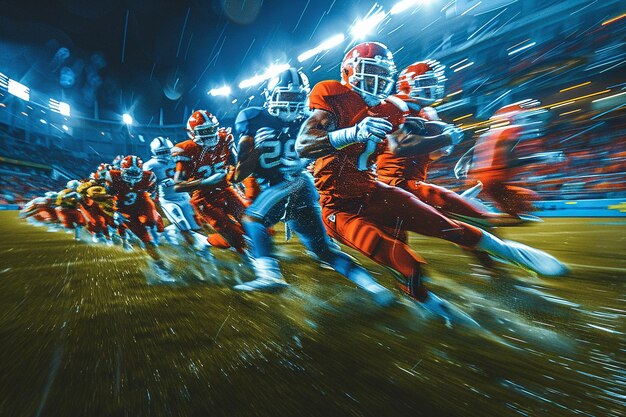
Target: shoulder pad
180,152
329,88
242,123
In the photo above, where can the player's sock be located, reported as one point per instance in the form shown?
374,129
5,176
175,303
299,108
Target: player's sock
261,240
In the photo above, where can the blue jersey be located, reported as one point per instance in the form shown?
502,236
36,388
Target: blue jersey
279,154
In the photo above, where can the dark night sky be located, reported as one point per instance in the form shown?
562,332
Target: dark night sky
222,42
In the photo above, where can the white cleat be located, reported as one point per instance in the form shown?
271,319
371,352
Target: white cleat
269,278
535,260
447,311
262,284
380,295
521,255
126,245
99,238
162,272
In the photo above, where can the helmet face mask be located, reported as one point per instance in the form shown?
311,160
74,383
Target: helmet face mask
206,136
369,70
131,175
423,81
373,79
202,128
131,168
286,95
426,88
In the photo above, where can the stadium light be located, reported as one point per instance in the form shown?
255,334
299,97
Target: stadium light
269,73
127,118
362,28
43,121
65,128
19,90
59,107
324,46
222,91
403,5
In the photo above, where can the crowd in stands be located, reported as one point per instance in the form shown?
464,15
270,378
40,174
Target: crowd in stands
594,167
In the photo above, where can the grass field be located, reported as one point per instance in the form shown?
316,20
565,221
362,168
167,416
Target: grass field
83,334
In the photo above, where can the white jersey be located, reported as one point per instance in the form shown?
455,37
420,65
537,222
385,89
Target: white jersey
164,170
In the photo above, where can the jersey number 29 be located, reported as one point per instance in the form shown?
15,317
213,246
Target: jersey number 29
277,150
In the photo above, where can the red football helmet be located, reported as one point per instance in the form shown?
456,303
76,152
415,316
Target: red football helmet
368,69
423,81
131,167
202,127
527,114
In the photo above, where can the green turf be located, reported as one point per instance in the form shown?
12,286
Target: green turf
83,334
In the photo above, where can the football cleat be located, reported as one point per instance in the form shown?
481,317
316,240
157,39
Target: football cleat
126,245
162,272
99,238
269,278
447,311
521,255
380,295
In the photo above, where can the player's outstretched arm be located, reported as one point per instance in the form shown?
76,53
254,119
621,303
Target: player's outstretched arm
312,141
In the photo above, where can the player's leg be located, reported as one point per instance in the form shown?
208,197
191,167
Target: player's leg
390,205
140,229
265,211
518,200
452,203
304,217
363,234
217,216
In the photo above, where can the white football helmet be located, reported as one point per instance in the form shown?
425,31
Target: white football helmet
160,148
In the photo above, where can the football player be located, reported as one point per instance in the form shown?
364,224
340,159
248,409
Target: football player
68,202
420,85
203,168
40,211
496,156
267,139
350,126
134,189
98,206
175,205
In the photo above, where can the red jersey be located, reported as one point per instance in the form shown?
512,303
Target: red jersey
131,197
392,169
199,162
337,175
491,153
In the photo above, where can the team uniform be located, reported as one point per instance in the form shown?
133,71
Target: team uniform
219,205
41,209
288,191
410,173
134,202
68,209
367,214
492,165
175,205
97,206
